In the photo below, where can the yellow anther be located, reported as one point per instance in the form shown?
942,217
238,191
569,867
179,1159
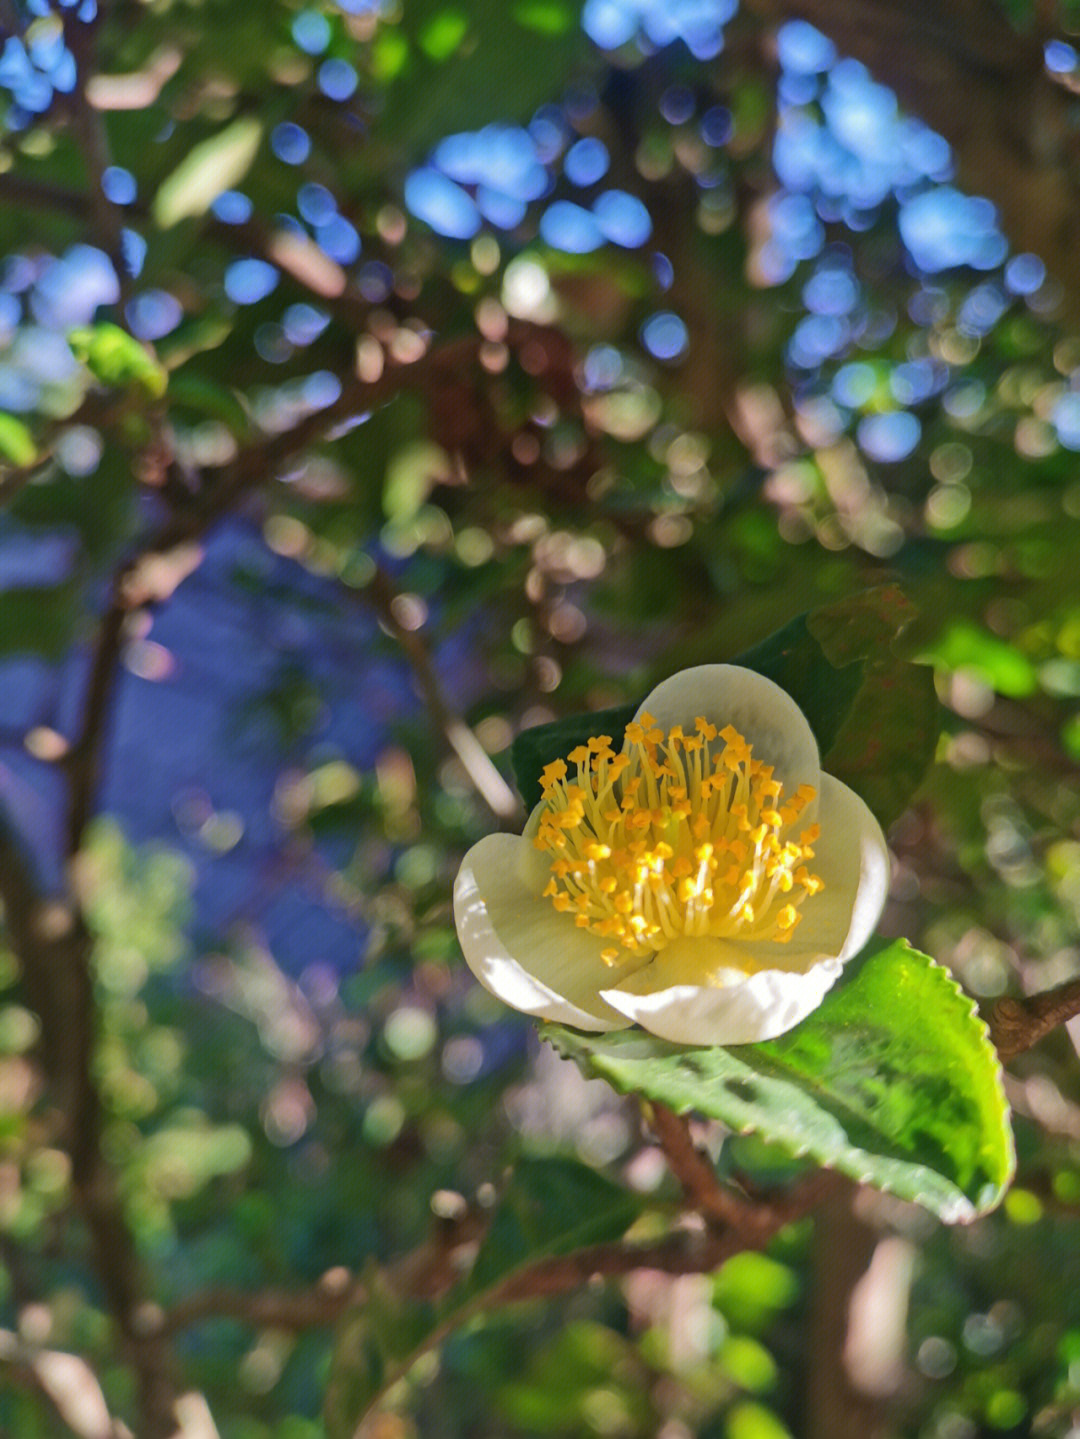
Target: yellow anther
686,860
788,917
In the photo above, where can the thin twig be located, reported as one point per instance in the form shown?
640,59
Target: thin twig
687,1251
715,1202
486,779
1017,1024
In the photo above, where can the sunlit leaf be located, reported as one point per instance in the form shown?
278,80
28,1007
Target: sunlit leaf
116,358
207,170
16,442
892,1081
1001,665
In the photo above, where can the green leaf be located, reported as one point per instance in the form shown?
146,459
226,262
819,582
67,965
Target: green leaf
534,748
1003,666
117,359
796,661
207,171
892,1081
445,65
16,442
886,741
551,1207
875,717
38,620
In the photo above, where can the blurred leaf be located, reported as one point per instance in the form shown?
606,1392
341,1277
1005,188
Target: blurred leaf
207,396
446,65
875,717
1003,666
206,171
550,1207
117,359
16,442
38,621
892,1081
885,742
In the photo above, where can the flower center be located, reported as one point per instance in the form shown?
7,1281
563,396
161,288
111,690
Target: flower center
675,836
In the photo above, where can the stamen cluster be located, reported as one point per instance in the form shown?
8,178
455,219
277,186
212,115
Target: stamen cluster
677,835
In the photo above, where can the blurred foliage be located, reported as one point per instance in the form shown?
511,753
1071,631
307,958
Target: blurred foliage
415,376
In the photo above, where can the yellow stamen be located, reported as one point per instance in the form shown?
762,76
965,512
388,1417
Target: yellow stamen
644,871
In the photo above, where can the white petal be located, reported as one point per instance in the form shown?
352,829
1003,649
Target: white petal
520,947
765,715
748,1008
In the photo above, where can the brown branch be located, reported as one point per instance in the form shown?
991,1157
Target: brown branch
683,1252
716,1203
83,760
1017,1024
265,1308
54,948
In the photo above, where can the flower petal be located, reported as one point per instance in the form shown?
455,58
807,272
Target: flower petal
765,715
523,950
735,1009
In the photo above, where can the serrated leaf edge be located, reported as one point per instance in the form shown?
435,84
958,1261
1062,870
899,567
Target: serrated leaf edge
963,1209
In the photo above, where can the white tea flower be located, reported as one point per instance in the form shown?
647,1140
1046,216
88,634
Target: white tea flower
707,881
